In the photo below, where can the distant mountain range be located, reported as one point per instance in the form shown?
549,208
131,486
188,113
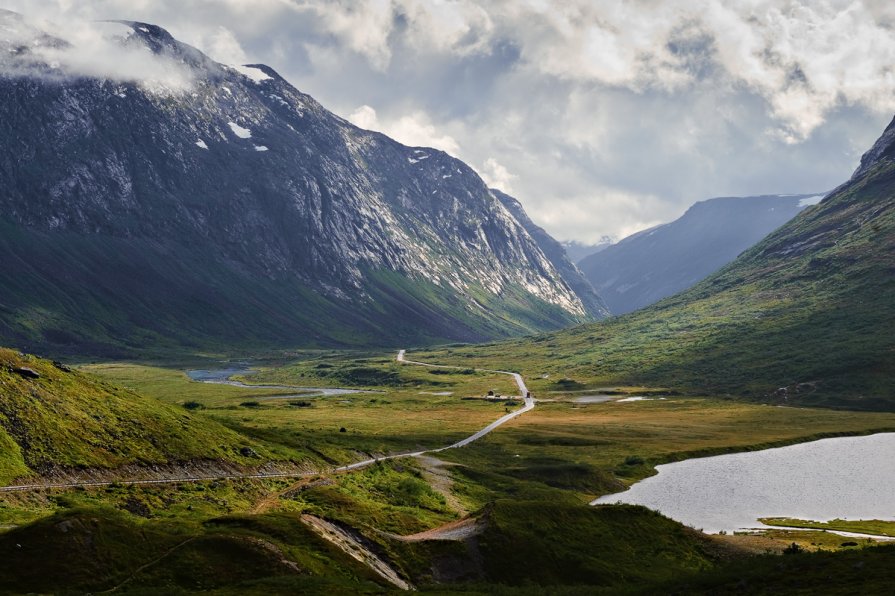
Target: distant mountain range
577,251
653,264
240,212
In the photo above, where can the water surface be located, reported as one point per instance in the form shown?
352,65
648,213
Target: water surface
593,399
223,377
847,478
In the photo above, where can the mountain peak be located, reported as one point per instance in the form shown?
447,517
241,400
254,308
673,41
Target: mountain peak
172,159
148,31
884,147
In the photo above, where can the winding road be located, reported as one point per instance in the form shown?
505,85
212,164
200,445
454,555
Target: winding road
520,382
529,404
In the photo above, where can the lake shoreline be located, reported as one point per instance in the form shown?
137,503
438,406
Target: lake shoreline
713,492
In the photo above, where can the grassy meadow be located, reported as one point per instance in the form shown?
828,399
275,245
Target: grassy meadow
403,408
528,483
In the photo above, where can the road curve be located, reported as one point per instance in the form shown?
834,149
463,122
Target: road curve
529,405
520,382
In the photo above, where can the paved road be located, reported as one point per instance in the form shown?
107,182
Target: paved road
520,382
529,405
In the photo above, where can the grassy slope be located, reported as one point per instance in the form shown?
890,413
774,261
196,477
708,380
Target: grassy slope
72,420
412,407
808,309
568,544
862,571
85,550
532,480
68,294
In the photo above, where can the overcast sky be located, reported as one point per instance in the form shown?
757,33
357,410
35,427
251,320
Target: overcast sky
603,117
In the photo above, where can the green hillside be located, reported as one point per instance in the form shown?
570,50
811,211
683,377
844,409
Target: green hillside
54,419
79,295
806,316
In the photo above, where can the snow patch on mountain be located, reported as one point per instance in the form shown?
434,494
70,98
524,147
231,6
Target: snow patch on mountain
254,73
242,133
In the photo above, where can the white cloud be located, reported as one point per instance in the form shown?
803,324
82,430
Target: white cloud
223,46
611,115
363,27
604,208
364,117
415,129
93,49
497,176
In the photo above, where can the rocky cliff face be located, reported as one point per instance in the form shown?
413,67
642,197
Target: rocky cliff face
883,148
558,256
236,170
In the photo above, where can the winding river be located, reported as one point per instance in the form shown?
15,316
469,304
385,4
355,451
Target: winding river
846,478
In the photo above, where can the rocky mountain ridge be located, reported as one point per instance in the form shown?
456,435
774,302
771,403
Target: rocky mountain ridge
556,253
237,166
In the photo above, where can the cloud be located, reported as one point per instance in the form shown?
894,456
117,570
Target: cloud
497,176
87,49
365,117
604,208
223,46
415,130
611,115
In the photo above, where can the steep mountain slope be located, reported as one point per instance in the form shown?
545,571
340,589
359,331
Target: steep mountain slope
57,420
225,206
656,263
804,317
557,256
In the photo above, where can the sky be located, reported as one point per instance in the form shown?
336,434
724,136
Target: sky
603,117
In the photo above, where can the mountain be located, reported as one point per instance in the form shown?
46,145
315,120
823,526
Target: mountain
557,256
653,264
577,251
55,420
804,317
219,206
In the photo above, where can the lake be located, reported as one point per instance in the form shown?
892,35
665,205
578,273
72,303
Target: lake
847,478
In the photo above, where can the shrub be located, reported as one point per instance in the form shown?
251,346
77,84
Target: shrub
193,405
